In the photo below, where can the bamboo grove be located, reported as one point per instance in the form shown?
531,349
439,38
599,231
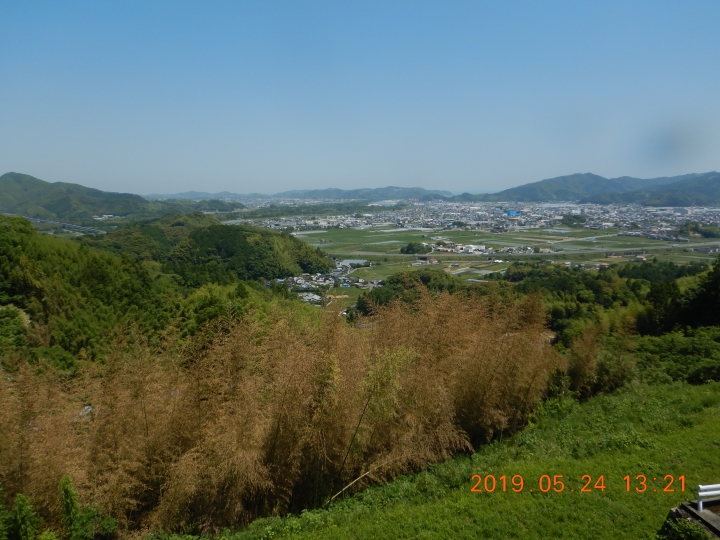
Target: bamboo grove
272,415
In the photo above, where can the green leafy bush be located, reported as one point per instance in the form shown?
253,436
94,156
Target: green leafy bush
682,529
415,247
5,517
81,522
12,329
693,356
24,523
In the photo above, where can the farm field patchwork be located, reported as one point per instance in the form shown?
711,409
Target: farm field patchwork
387,241
381,246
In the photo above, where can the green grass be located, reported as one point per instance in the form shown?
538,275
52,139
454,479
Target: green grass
660,430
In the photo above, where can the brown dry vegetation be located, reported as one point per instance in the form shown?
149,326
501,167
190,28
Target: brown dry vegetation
273,416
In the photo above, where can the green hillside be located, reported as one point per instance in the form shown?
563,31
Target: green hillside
563,188
152,239
28,196
569,188
65,300
699,190
73,298
200,249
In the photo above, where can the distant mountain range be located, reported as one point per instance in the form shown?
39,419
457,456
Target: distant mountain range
204,196
29,196
26,195
390,192
368,194
685,190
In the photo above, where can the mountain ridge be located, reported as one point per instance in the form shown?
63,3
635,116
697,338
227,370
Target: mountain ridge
691,190
388,192
28,196
586,187
571,187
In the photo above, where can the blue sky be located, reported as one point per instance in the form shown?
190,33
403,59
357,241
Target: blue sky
266,96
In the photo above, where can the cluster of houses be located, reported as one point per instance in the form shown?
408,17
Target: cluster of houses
667,238
309,285
502,216
451,247
445,246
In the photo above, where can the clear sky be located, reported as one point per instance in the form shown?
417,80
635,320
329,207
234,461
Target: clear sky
150,96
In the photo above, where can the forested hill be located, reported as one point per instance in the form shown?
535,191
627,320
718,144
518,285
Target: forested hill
573,187
26,195
200,249
576,186
60,300
694,190
65,300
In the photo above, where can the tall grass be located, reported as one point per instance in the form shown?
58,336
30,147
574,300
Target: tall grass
271,415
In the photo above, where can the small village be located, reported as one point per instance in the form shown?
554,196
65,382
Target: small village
434,222
637,220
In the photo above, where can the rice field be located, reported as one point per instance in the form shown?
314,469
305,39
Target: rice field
382,246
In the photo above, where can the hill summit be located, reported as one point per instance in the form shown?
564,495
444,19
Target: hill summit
29,196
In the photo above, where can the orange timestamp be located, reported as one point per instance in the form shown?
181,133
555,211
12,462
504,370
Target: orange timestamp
547,483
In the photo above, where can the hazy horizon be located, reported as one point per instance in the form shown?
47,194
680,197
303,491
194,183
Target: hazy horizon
272,96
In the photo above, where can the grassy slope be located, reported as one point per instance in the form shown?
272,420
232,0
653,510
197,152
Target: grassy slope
651,430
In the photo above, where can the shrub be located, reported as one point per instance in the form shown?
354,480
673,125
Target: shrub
415,247
682,529
25,522
5,517
81,522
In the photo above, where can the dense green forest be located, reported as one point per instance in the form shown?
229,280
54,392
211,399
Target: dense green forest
180,394
65,300
199,249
